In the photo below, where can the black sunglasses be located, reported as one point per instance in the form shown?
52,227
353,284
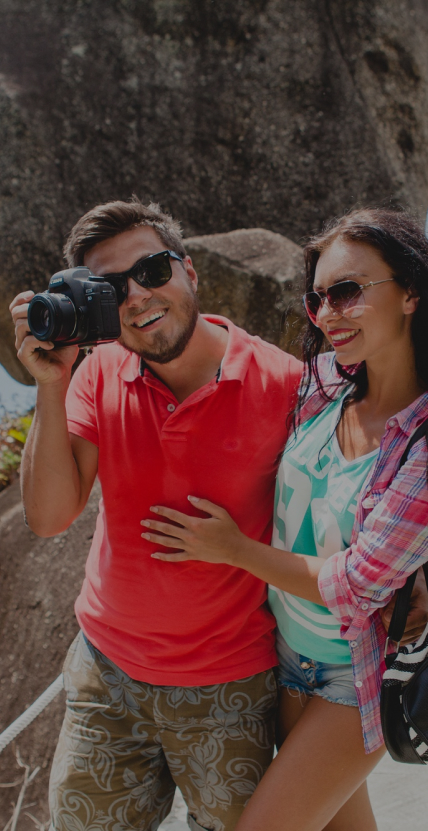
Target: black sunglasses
149,272
345,298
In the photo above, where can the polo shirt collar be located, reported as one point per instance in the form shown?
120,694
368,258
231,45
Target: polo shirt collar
129,368
234,365
236,360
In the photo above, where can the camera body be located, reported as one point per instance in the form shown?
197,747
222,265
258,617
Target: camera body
77,308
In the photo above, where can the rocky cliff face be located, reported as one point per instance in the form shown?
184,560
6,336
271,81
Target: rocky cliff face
253,113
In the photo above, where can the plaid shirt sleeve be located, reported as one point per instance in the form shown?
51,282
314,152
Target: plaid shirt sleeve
390,541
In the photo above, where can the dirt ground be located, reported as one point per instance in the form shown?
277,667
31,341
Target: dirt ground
39,582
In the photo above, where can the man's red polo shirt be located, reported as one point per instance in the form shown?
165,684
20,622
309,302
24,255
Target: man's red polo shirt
184,624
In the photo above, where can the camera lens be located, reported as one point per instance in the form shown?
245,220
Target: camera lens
40,319
52,317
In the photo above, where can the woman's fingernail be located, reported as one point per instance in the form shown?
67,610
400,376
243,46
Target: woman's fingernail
193,498
145,522
155,510
146,536
155,556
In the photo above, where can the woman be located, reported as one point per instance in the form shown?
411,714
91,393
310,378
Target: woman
348,526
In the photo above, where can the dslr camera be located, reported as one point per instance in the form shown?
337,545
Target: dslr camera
77,308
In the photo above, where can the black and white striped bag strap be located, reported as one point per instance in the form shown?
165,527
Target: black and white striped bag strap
408,658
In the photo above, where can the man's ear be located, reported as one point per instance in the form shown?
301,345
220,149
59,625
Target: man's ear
191,273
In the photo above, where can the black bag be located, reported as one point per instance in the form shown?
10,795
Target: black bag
404,691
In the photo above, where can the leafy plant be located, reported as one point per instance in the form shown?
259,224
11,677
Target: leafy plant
13,435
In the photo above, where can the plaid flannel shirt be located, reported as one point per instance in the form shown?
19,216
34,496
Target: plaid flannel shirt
389,541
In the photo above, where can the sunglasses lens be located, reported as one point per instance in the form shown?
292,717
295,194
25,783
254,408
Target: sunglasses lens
312,303
150,273
154,272
346,298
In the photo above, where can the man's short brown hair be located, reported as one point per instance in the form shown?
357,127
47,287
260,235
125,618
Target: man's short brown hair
106,221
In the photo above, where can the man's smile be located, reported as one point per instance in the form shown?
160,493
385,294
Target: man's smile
148,319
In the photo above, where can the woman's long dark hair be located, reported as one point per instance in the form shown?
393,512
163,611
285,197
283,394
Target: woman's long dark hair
401,243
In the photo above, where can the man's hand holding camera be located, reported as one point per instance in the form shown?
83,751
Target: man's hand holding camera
77,308
46,364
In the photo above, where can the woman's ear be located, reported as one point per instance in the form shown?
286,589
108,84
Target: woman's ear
410,304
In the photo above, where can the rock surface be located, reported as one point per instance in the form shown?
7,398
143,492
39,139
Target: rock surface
256,113
253,277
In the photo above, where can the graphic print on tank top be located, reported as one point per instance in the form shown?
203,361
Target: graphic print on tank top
315,505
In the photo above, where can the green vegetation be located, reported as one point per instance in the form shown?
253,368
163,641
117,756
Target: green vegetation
13,435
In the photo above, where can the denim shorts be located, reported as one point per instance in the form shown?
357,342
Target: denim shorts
334,682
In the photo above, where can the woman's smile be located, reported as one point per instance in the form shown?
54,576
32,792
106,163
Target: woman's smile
340,337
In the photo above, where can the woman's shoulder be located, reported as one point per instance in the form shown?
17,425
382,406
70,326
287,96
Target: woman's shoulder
414,415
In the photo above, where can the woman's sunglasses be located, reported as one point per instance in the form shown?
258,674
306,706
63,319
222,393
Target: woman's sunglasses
150,273
345,298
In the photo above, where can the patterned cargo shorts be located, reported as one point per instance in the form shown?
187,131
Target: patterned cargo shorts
125,745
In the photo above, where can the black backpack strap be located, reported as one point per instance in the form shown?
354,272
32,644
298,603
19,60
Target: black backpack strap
402,604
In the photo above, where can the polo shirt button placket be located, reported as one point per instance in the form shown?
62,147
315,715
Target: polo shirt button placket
171,408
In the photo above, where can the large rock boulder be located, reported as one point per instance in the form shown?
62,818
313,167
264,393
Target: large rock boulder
254,277
256,113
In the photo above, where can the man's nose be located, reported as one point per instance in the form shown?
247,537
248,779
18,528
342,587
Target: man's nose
136,293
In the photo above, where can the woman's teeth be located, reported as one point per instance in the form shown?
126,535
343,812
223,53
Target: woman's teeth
151,319
344,335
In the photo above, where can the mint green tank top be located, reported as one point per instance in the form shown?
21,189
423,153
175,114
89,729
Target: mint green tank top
315,504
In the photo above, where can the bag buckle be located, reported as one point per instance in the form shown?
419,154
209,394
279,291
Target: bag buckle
387,642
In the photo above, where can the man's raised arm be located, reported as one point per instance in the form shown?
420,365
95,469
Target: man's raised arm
58,469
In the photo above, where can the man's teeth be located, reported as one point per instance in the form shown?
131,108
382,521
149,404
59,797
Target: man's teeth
147,320
344,335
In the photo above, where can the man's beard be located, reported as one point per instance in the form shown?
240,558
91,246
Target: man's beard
162,350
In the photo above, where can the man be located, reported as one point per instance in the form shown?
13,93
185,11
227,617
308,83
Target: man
171,680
